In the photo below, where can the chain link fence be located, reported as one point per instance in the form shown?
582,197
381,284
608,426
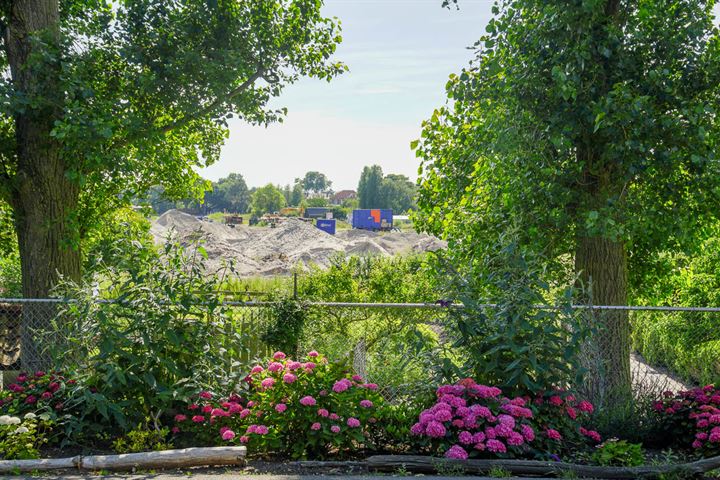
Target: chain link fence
395,345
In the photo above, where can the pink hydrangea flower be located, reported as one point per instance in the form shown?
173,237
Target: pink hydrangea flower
553,434
294,365
250,404
465,437
571,412
308,401
275,367
256,369
207,409
341,385
357,378
586,406
267,383
370,386
443,416
309,365
515,439
289,378
353,422
198,419
175,430
335,429
506,420
228,435
244,413
218,412
417,429
714,436
555,400
205,395
323,393
235,408
261,430
334,416
313,353
244,439
279,355
697,444
479,437
496,446
280,407
31,399
323,412
193,406
435,429
457,452
527,432
315,426
46,395
180,417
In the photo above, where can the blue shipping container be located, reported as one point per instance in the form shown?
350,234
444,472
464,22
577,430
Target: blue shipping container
327,226
316,212
372,219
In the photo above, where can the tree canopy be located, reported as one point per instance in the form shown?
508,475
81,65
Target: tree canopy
105,99
267,199
592,125
369,187
230,193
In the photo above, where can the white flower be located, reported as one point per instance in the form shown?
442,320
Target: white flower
30,416
14,420
8,420
21,430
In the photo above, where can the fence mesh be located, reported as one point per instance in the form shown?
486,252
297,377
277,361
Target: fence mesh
392,345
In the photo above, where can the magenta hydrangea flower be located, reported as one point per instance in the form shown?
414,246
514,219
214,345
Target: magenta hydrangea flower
308,401
256,369
228,435
527,432
31,399
323,412
435,429
417,429
457,452
244,413
275,367
46,395
586,406
268,383
294,365
515,439
506,420
334,416
289,378
502,430
309,365
465,437
555,400
315,426
175,430
335,429
443,416
205,395
235,408
553,434
479,437
198,419
697,444
280,407
366,403
357,378
313,353
244,439
279,355
371,386
341,385
495,446
714,436
193,406
353,422
261,430
207,409
180,417
219,412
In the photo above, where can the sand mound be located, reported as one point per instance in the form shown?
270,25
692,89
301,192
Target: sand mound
275,251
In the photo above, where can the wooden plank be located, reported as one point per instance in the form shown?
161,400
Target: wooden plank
24,466
187,457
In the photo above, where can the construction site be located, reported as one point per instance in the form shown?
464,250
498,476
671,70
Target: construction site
293,244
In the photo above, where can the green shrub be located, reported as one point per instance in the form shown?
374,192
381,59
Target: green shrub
143,439
164,336
285,323
10,275
618,453
20,439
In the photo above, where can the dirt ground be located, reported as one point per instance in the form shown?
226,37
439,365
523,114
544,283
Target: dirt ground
265,251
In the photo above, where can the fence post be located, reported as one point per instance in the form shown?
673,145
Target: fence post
295,289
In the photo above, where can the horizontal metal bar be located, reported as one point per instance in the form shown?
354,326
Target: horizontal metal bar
380,305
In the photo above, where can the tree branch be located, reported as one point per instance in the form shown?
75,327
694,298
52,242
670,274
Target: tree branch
213,105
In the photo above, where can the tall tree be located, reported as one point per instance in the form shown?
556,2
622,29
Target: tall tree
316,182
594,126
267,199
369,187
104,99
297,195
397,192
230,193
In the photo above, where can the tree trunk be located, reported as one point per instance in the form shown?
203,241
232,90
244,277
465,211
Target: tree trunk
43,197
602,266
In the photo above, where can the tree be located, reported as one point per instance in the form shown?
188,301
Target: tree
593,126
298,195
397,192
316,182
230,193
105,99
267,199
369,187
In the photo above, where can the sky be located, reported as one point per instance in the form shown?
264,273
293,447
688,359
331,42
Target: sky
400,54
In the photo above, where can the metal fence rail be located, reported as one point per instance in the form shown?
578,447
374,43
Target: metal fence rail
674,346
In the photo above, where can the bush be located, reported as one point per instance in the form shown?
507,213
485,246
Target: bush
307,409
143,439
691,419
20,439
618,453
164,336
469,419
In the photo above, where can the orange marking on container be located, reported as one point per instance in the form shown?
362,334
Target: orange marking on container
375,214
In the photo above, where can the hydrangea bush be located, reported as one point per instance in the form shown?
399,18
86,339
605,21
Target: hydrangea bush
692,418
34,392
302,409
472,420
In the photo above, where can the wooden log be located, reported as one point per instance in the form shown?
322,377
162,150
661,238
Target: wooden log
422,464
24,466
187,457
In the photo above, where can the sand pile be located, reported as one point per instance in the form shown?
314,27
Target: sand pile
273,251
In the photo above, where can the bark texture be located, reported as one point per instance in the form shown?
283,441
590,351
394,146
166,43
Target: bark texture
42,196
602,266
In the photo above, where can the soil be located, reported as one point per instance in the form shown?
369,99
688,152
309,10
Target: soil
265,251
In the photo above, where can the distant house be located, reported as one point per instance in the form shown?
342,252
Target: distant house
343,195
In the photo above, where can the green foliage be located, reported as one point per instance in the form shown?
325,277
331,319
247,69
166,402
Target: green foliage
316,202
142,439
285,322
8,240
20,439
618,453
369,187
398,193
297,196
315,182
164,335
515,345
686,342
499,472
230,193
10,275
267,199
